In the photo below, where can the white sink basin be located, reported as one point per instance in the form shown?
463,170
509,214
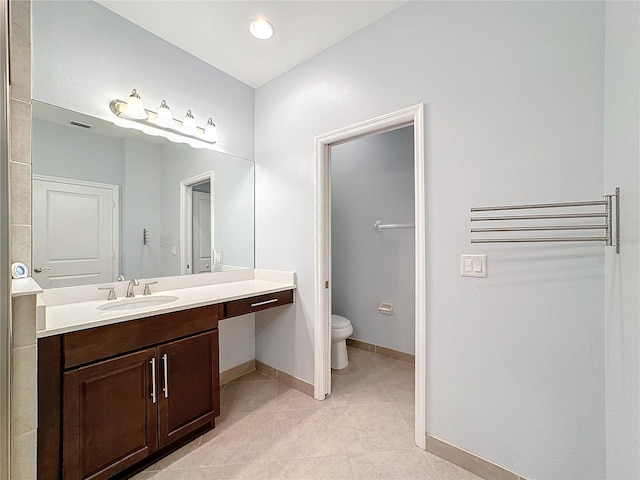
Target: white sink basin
137,302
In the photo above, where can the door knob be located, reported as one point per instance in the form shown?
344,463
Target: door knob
40,270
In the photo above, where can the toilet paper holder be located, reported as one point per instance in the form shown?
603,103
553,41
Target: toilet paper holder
385,308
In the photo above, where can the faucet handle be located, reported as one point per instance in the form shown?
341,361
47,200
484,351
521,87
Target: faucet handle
147,290
120,278
112,292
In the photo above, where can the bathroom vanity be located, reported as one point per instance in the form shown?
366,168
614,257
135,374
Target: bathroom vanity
121,388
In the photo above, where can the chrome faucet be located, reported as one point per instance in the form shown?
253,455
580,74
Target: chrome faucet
147,290
133,283
112,292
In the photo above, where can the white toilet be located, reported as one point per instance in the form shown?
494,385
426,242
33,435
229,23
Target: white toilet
341,328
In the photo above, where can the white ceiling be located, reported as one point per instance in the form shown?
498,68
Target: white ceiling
217,31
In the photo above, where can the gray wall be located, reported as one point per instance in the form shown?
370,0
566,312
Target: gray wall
140,209
72,152
372,179
233,197
514,102
84,56
622,277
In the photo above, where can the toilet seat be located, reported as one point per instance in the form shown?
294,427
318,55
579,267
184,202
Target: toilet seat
338,321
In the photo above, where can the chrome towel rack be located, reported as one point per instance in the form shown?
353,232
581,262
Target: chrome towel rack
380,226
608,231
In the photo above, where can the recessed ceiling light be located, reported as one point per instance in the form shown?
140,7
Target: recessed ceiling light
261,29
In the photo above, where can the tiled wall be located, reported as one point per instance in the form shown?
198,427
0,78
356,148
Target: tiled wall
23,353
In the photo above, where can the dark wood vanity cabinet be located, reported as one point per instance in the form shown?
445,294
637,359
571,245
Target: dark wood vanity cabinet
115,398
189,391
119,411
257,303
130,392
109,417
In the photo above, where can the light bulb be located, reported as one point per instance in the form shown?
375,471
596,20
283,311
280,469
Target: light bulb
261,29
164,115
211,132
189,124
135,108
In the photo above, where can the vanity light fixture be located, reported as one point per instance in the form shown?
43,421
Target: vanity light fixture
164,115
189,124
132,114
211,131
134,107
261,29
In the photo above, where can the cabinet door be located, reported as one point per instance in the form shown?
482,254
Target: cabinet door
110,419
190,386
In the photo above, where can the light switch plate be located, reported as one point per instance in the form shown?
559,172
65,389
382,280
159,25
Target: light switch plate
473,265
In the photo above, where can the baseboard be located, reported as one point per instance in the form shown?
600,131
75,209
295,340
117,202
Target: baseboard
384,351
237,371
294,382
470,462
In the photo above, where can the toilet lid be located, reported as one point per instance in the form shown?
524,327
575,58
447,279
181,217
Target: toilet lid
338,321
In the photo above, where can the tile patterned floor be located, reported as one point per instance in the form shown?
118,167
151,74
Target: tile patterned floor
269,431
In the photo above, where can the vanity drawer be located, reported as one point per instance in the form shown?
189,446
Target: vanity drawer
255,304
93,344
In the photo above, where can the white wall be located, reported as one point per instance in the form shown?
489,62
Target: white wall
622,277
514,101
372,179
237,341
84,56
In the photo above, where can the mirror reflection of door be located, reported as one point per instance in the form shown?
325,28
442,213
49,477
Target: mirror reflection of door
201,224
74,235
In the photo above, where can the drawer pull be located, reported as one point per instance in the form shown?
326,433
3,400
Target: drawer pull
153,380
266,302
165,364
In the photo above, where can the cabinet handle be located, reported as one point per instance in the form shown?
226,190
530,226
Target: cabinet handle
153,380
264,303
165,364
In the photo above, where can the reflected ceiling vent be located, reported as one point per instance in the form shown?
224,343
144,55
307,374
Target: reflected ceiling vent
79,124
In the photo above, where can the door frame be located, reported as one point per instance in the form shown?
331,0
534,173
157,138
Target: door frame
413,115
115,217
186,220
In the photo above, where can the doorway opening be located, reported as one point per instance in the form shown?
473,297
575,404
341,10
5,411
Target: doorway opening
412,116
197,225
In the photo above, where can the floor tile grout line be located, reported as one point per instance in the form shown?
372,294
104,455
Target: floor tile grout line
404,421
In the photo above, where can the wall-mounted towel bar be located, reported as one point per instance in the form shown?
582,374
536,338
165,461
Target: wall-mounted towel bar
610,227
380,226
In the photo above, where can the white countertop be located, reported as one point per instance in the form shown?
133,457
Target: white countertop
70,317
24,286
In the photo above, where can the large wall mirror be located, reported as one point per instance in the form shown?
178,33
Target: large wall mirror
109,201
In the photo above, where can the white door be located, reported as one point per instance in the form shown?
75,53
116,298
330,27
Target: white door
73,232
201,237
